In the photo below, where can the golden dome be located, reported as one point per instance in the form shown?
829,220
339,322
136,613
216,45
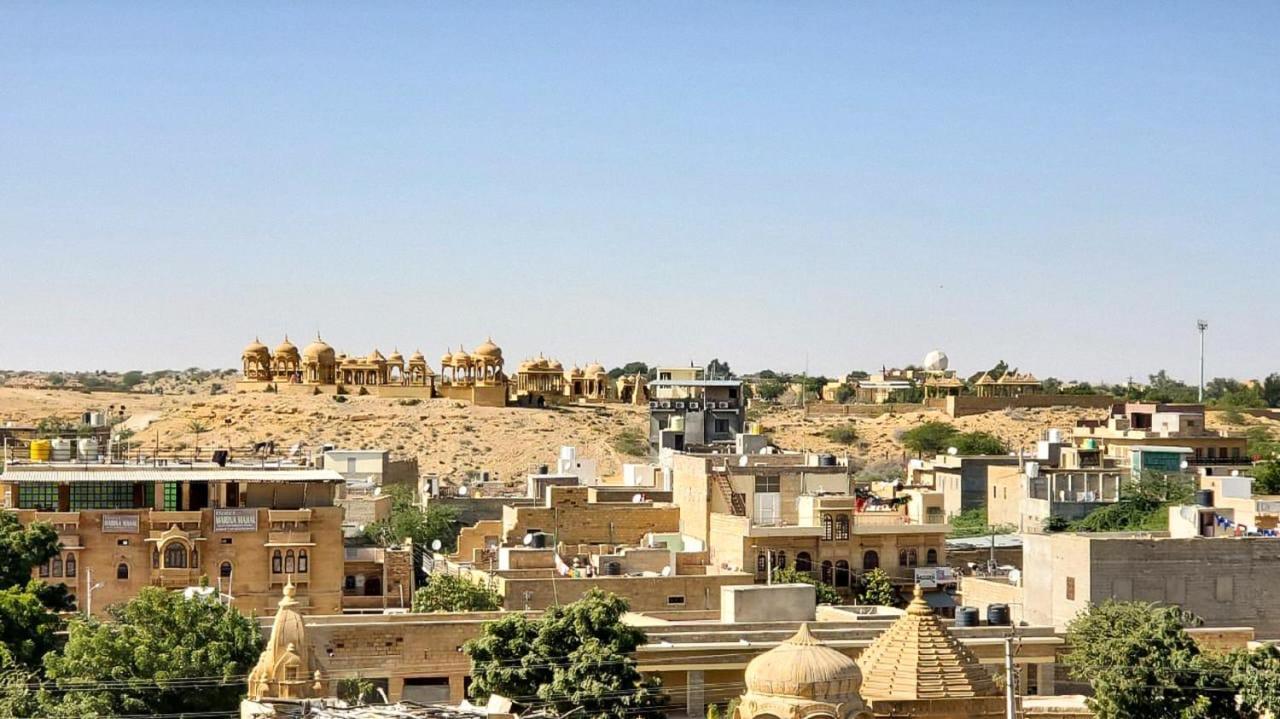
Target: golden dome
460,358
417,356
805,668
489,350
917,658
576,371
255,349
395,357
446,358
540,363
318,351
525,366
286,348
595,369
375,357
555,365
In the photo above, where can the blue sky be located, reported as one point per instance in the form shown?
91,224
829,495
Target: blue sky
1064,186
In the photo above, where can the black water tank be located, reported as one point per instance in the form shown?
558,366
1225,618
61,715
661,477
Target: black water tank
539,540
613,569
826,460
544,469
998,615
967,617
1204,497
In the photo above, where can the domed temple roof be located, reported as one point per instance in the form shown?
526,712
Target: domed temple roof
805,668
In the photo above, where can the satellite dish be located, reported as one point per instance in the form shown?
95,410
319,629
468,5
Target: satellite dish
1235,473
1184,464
637,498
528,539
436,544
742,461
462,491
666,571
952,451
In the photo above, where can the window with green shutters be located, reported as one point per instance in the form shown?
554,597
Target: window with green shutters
170,496
101,495
37,495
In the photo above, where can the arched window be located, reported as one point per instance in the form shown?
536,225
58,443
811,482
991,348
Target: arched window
827,572
71,565
175,556
57,566
762,563
224,570
908,558
826,527
288,562
843,575
122,571
276,566
804,563
780,561
155,558
842,527
931,557
870,560
44,569
349,582
302,561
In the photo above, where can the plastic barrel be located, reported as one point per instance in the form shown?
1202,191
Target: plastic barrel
967,617
998,615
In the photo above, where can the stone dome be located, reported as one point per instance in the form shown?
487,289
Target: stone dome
446,358
595,369
488,350
555,365
375,357
417,356
460,358
805,668
255,349
576,371
395,357
318,351
286,348
936,361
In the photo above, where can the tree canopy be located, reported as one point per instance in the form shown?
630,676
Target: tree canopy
790,575
970,443
451,593
929,437
150,651
575,657
877,589
407,519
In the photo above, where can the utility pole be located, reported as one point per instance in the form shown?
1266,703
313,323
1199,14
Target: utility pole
1202,326
1009,679
88,595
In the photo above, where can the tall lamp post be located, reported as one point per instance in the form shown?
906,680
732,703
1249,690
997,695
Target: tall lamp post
1202,326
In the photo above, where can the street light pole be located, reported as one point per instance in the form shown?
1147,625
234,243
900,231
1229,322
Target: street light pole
88,595
1202,326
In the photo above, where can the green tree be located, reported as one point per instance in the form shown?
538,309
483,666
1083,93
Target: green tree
26,625
790,575
150,651
1266,477
877,589
770,390
131,379
52,426
1163,388
1256,678
1271,389
1142,506
197,428
844,434
630,369
718,370
18,698
24,548
407,519
973,522
929,438
577,657
451,593
1141,664
357,690
844,394
979,443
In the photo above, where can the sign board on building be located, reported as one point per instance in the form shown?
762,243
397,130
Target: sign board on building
235,520
120,524
933,577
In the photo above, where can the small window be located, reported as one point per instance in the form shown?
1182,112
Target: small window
780,560
56,563
1071,589
675,599
302,561
842,527
155,558
722,426
349,582
122,571
44,569
122,542
224,570
931,557
277,562
826,527
768,484
225,540
288,562
71,566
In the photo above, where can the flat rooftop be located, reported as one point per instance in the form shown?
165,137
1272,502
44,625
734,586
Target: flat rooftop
70,473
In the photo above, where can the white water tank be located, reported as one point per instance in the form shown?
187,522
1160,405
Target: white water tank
87,449
61,449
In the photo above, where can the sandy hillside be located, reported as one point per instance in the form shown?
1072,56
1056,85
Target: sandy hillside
451,438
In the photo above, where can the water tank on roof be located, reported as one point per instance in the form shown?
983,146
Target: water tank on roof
967,617
41,450
1204,497
826,460
998,615
539,540
613,569
61,450
87,449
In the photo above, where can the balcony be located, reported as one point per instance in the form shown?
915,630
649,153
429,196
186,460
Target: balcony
288,515
289,538
171,578
161,519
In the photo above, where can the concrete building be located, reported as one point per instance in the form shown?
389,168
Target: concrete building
961,479
1153,425
695,414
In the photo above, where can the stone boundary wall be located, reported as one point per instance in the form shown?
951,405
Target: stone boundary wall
863,410
966,405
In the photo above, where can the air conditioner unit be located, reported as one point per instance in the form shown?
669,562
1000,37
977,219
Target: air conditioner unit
666,405
653,404
693,405
724,405
679,405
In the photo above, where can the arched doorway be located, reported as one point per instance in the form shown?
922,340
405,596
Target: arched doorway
870,560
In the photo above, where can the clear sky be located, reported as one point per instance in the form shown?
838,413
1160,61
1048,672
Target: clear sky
1066,186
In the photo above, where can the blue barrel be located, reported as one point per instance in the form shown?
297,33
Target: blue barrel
967,617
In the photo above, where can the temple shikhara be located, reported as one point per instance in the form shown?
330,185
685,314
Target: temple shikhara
477,376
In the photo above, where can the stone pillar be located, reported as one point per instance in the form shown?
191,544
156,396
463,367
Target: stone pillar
457,688
1045,676
395,688
695,696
